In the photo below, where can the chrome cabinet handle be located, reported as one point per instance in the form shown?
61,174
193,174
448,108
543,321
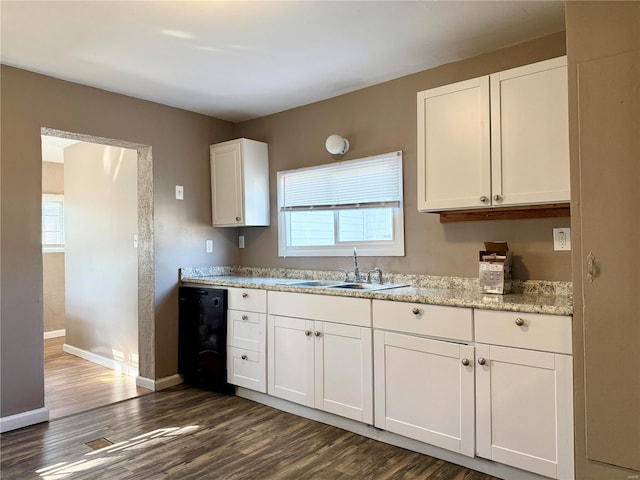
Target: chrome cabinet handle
484,199
243,356
592,267
245,295
415,311
519,321
244,317
465,362
497,198
481,361
317,333
307,332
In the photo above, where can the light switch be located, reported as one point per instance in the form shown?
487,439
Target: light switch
135,240
179,192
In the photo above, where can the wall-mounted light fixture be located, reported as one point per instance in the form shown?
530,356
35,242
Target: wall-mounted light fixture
337,145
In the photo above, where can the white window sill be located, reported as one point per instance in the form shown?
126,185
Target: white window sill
52,249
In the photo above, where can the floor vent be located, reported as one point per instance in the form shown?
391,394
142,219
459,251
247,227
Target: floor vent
99,443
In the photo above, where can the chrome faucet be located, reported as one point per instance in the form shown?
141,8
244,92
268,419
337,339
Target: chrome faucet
356,272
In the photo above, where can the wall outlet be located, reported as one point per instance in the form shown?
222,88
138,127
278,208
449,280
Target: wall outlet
179,192
135,240
561,239
240,241
209,246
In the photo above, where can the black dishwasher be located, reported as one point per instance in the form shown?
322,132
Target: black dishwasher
202,338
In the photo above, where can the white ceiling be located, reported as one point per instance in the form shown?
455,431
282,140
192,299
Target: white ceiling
240,60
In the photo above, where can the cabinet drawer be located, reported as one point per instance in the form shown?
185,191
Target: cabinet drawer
431,320
249,299
352,311
247,330
246,368
551,333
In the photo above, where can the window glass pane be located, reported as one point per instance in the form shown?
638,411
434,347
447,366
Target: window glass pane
52,221
310,228
366,224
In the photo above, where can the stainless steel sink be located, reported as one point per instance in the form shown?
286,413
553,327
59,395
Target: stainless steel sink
339,284
315,283
368,286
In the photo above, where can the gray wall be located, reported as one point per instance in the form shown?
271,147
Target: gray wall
382,119
101,263
180,147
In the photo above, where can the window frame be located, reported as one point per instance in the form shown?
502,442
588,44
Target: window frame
391,248
52,247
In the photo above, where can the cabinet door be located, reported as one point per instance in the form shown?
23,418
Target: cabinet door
609,277
226,184
343,370
290,353
453,146
530,134
424,391
524,409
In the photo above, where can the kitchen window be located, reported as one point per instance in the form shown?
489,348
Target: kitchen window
329,209
52,223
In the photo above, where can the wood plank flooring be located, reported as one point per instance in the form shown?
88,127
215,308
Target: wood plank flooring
73,384
187,433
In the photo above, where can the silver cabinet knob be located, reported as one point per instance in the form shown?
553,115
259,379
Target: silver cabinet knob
317,333
465,362
244,317
245,295
237,219
243,356
415,311
484,199
307,332
519,321
497,198
481,361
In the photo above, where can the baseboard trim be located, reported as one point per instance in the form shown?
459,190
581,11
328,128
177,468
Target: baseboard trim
100,360
55,333
24,419
160,384
369,431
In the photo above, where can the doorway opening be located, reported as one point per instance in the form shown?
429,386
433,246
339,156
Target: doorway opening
123,340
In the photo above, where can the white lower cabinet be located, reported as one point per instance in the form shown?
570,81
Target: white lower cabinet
320,364
246,339
524,409
524,391
424,389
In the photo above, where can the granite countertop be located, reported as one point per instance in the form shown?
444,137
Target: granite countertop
552,298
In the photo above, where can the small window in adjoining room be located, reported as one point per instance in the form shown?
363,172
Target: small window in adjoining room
329,209
52,223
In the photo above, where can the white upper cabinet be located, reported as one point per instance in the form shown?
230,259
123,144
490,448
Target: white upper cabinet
240,183
498,140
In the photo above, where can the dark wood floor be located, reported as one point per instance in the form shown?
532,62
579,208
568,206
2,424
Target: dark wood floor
186,433
73,384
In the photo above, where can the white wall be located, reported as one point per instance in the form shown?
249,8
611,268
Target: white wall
101,291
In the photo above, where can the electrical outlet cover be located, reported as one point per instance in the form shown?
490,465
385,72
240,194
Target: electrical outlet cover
561,239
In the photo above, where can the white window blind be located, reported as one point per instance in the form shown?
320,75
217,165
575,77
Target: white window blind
52,222
365,183
329,209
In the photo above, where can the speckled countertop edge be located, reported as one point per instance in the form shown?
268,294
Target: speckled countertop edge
553,298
